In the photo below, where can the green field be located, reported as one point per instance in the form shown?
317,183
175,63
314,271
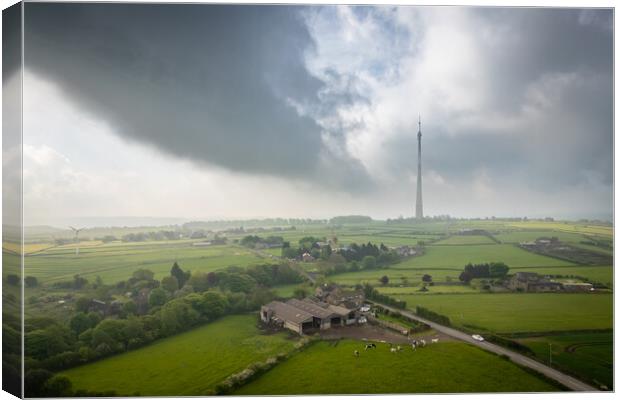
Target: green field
601,274
587,355
440,368
458,256
395,276
116,262
397,291
447,262
188,364
529,236
521,312
465,240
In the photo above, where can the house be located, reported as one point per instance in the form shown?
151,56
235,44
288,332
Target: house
532,282
405,251
334,294
307,257
307,315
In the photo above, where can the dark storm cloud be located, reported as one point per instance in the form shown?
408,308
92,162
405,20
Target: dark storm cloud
538,40
566,55
208,83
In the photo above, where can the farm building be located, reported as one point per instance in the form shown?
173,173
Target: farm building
334,294
577,286
307,315
532,282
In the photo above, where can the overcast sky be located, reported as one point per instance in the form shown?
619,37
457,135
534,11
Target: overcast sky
208,111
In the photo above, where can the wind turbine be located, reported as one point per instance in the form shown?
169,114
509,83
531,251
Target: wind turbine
77,241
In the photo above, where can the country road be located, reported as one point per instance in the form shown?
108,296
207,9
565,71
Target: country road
515,357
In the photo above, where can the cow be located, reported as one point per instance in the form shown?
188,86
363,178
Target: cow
393,349
413,346
422,342
435,340
356,353
370,346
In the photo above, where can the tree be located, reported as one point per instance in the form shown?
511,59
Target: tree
143,275
497,270
12,279
300,292
179,274
82,304
81,322
130,308
157,297
466,276
369,262
239,283
384,280
79,282
326,251
427,278
31,281
35,382
58,386
215,304
170,283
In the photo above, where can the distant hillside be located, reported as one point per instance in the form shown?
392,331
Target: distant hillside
351,219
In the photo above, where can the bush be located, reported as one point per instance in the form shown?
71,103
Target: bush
432,316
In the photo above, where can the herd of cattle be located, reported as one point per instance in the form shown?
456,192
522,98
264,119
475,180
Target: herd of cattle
394,349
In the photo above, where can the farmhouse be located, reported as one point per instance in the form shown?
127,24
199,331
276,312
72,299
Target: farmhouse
532,282
334,294
307,315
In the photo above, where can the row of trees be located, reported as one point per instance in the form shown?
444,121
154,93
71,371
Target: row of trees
372,294
485,270
254,241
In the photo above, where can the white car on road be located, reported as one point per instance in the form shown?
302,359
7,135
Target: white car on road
478,338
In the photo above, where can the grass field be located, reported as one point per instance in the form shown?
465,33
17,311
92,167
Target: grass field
528,236
586,355
595,273
566,227
395,276
115,262
520,312
458,256
285,290
431,289
441,368
188,364
465,240
443,262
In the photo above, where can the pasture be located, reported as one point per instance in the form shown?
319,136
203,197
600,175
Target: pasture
601,230
397,291
600,274
116,262
188,364
465,240
586,355
458,256
445,367
405,276
531,235
520,312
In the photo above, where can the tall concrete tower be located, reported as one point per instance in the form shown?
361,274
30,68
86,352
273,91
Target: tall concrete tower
419,214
